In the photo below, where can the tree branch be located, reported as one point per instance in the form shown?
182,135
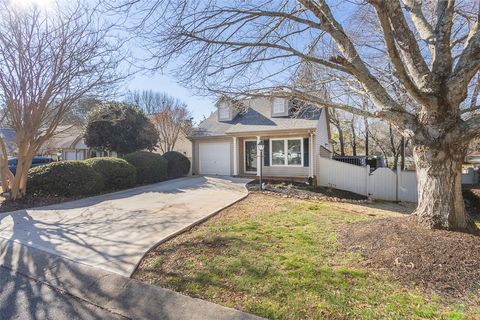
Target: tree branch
424,28
442,57
467,66
395,58
407,44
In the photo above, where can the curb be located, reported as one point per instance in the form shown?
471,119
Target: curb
109,291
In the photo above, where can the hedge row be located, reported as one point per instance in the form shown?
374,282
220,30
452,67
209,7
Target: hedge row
96,175
151,167
116,173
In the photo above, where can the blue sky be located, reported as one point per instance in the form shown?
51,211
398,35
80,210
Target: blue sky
200,106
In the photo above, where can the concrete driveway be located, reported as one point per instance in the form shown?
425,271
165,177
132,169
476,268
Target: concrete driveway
114,231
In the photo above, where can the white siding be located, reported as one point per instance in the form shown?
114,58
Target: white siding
322,135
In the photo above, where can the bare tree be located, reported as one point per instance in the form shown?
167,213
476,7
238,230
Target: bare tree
387,141
337,123
169,115
253,47
49,59
353,135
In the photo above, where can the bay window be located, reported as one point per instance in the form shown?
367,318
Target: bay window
286,152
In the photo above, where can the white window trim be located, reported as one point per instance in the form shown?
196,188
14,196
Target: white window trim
285,148
244,155
225,109
284,105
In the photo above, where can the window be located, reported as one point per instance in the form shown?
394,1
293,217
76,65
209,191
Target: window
287,152
294,152
278,152
278,106
224,112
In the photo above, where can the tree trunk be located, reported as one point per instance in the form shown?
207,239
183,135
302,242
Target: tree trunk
365,121
439,178
354,137
342,142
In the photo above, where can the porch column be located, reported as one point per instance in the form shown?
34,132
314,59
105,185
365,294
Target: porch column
311,162
235,156
258,157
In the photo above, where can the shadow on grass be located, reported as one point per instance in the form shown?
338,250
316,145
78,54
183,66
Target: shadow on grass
30,245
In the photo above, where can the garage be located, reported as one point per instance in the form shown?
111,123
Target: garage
214,158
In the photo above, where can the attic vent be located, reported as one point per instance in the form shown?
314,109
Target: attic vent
279,107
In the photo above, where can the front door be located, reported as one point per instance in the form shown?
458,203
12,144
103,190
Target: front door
251,156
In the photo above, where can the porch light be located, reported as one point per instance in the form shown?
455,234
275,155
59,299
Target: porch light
261,146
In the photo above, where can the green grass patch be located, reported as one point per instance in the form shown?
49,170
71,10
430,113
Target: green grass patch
285,262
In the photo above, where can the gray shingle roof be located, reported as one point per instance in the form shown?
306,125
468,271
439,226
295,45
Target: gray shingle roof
65,138
257,118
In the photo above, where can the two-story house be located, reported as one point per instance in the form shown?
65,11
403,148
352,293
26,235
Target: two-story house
294,135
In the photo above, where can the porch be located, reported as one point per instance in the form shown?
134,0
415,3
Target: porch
288,155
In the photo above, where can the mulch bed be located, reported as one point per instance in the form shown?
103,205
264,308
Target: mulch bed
434,260
30,201
304,191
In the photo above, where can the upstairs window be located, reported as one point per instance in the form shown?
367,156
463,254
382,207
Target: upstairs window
279,106
224,112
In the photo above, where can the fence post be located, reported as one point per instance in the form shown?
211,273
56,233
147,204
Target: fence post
398,182
367,178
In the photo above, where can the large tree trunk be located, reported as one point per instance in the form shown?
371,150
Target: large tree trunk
439,175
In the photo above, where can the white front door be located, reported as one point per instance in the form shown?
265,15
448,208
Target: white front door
214,158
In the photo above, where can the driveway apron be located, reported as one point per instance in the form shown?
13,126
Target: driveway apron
114,231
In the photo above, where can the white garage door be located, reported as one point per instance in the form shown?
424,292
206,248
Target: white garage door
214,158
70,155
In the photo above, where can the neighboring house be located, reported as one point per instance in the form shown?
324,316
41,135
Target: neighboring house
68,144
9,136
182,145
226,142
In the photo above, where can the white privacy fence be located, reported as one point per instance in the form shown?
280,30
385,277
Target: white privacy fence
342,175
381,184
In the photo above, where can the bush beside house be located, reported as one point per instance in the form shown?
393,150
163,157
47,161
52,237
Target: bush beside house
65,178
178,164
117,173
151,167
96,175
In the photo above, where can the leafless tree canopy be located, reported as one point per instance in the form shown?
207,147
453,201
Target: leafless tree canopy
48,61
247,46
416,61
169,115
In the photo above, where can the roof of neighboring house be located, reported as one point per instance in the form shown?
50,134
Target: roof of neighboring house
257,118
65,138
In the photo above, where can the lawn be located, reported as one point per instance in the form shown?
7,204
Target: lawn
281,258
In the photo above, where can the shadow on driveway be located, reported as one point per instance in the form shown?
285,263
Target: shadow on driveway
110,231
